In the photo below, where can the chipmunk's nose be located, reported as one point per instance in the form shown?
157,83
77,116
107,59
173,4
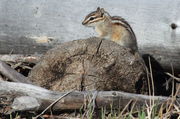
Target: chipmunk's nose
83,23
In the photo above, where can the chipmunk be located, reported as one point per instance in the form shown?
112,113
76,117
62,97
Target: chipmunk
113,28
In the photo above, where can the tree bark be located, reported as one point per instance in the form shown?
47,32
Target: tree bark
90,64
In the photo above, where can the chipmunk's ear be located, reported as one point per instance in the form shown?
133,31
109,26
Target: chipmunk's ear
98,9
102,10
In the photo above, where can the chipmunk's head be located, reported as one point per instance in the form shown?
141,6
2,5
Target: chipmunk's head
95,17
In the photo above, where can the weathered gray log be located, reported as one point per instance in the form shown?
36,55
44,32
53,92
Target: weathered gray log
152,24
75,100
22,45
90,64
165,56
12,74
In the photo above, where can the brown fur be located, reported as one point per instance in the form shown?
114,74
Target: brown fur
113,28
117,32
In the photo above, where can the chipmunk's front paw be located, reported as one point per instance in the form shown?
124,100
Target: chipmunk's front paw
134,60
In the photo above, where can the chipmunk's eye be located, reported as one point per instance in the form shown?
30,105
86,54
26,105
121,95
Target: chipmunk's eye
91,18
102,14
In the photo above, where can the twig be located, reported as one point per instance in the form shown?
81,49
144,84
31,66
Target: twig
173,99
12,74
151,84
176,78
151,75
126,106
20,58
52,104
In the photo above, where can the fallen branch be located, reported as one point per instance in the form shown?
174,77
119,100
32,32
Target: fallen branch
11,74
20,58
75,100
176,78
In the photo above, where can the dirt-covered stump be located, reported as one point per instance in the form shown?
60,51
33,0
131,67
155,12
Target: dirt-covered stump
89,64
